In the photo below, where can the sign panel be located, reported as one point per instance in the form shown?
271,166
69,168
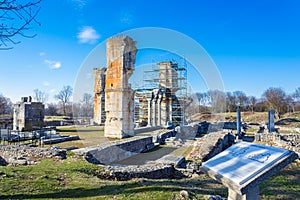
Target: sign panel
244,160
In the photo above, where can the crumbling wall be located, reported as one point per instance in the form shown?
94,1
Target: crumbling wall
99,97
119,97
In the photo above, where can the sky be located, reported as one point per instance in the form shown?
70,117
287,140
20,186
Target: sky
254,44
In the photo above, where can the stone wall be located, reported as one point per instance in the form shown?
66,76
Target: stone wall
23,154
286,141
115,151
151,171
210,145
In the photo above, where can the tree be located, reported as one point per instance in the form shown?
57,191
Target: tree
230,102
218,101
276,98
252,102
87,105
6,106
296,97
40,96
17,17
51,109
64,97
241,99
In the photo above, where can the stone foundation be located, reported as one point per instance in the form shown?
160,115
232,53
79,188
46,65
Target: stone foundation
115,151
286,141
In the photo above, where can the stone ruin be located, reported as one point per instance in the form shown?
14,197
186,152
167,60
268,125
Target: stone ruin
28,115
153,107
119,97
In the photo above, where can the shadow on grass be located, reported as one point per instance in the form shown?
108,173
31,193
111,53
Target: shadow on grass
126,189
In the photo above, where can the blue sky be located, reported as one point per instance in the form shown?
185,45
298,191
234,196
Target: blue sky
254,44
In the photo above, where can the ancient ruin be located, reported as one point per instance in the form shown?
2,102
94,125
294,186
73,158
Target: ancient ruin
161,105
28,115
99,97
119,97
117,106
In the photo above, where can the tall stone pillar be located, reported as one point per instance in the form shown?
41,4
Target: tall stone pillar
271,123
238,123
159,109
149,112
170,109
154,101
119,97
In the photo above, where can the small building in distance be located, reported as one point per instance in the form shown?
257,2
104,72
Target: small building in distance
28,115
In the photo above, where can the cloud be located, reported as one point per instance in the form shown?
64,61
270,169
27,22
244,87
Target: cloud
127,18
53,64
46,83
42,54
88,35
79,3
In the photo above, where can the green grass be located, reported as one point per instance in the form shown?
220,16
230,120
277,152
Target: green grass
74,178
78,179
89,136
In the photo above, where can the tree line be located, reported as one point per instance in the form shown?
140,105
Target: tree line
272,98
211,101
64,105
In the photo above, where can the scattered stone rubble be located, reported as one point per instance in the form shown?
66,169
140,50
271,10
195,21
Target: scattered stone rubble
27,155
286,141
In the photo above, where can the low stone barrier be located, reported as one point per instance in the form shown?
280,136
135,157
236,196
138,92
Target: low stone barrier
160,137
146,129
151,171
61,139
115,151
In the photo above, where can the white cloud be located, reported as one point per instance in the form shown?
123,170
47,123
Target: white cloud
46,83
42,54
79,3
88,35
126,18
53,64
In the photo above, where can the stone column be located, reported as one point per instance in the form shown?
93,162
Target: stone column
271,123
170,109
159,109
238,123
154,101
149,112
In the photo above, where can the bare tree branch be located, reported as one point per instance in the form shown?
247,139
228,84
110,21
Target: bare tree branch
16,18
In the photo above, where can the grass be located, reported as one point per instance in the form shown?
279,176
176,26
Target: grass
74,178
89,135
78,179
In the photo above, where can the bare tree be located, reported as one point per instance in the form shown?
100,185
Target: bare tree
276,98
51,109
252,102
87,105
218,101
40,96
16,18
64,97
6,106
